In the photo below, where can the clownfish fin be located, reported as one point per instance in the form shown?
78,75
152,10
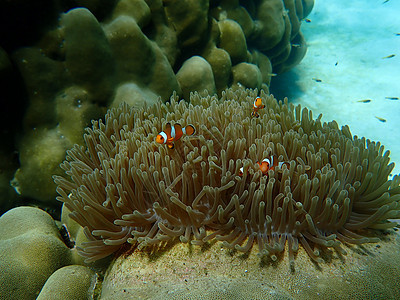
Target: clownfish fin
255,114
171,145
189,129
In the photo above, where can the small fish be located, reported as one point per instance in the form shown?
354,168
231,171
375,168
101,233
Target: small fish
317,79
386,1
398,33
381,119
257,105
296,45
173,133
66,236
336,63
307,20
365,100
389,56
272,74
268,164
241,171
392,98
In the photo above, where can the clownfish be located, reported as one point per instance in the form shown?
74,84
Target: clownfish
268,164
271,163
241,171
256,106
173,133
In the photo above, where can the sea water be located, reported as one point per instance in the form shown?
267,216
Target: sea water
350,58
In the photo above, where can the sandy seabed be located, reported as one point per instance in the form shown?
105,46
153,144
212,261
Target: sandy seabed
347,45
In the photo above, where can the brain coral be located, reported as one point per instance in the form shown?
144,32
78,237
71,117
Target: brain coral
124,187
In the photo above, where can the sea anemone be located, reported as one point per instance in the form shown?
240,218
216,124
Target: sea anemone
123,187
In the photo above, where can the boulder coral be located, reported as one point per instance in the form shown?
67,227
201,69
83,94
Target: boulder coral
31,249
100,54
124,188
69,283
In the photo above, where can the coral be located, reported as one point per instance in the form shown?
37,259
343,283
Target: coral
100,52
39,152
232,40
196,75
71,282
123,187
31,249
247,74
88,60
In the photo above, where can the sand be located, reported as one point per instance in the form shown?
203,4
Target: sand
347,42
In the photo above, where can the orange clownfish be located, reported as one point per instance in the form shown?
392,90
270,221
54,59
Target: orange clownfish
173,133
271,163
241,171
268,164
256,106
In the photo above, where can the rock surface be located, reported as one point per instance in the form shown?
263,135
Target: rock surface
188,272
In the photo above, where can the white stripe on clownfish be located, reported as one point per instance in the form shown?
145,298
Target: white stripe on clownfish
271,162
173,133
241,171
164,135
257,105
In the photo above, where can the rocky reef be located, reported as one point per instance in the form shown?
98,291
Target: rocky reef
184,272
33,255
141,220
318,226
77,62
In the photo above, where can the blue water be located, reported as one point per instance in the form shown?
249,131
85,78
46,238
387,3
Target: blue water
347,41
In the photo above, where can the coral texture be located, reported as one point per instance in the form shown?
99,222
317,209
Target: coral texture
124,187
69,283
101,55
31,249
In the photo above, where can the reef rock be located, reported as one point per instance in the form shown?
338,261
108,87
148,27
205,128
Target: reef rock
31,249
103,49
69,283
186,272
